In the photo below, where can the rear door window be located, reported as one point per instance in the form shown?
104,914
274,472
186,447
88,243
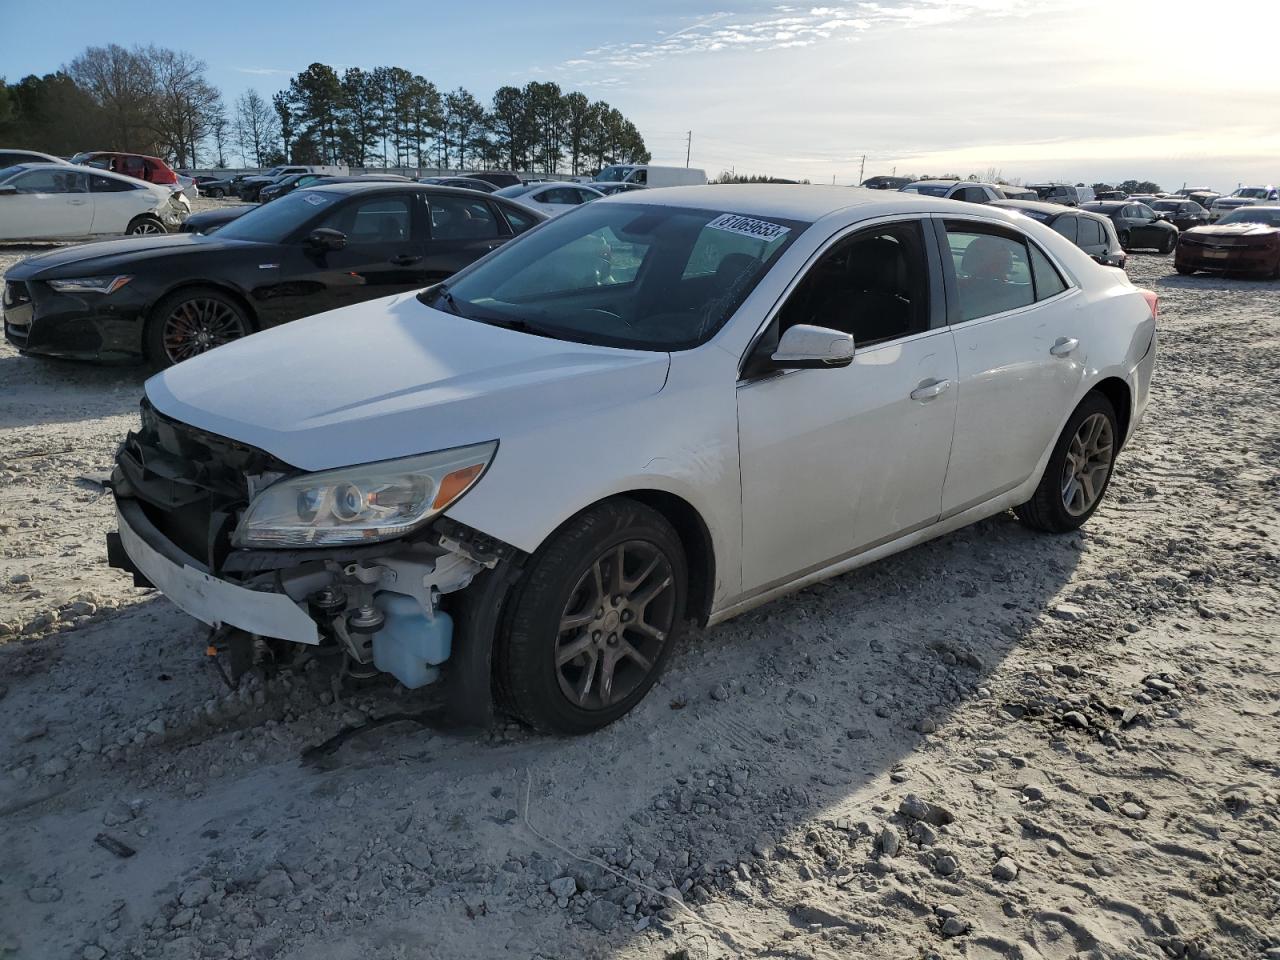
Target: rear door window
992,270
1048,282
461,218
1067,226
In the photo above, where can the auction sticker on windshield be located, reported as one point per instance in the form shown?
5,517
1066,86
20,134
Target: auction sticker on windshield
748,227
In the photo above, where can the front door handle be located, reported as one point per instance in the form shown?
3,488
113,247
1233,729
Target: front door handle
406,259
930,389
1064,346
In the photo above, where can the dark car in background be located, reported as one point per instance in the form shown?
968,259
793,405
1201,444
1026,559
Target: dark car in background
212,220
465,183
1183,214
1244,241
1092,233
1011,192
499,178
296,181
1137,225
168,298
1111,195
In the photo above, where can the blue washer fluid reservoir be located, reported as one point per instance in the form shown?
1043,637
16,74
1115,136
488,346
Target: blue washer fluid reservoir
411,644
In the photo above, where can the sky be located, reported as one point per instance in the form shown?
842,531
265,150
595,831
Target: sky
1071,90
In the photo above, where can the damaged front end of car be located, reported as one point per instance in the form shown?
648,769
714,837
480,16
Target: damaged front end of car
356,561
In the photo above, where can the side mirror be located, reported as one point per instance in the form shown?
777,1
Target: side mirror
808,347
325,239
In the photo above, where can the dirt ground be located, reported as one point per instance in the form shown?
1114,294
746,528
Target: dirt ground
995,745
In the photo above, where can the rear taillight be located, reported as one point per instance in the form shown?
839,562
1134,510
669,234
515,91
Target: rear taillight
1153,302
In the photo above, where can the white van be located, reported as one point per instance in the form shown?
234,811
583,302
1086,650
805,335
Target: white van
647,175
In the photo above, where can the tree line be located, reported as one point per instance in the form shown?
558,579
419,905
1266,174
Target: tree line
153,100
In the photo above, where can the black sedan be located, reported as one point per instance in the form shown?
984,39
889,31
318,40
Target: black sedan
1138,226
1183,214
167,298
466,183
1093,234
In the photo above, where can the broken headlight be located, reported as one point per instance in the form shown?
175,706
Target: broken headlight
361,504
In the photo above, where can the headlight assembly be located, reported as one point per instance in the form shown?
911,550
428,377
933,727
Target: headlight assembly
102,285
361,504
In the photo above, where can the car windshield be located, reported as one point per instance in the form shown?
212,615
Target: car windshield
613,174
928,189
1040,215
1165,204
1268,216
7,172
622,274
1253,193
274,221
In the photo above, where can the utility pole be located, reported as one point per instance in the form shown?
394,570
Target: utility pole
688,148
862,168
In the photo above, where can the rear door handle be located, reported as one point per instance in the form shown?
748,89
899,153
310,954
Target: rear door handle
405,259
930,389
1064,346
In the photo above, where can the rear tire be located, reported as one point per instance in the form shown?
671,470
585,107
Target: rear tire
1185,271
1124,242
192,321
1079,470
217,193
593,620
145,225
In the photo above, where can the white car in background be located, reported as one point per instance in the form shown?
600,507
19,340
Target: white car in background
672,406
551,197
48,201
11,156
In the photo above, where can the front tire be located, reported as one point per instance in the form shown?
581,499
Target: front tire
1185,271
1170,242
145,226
1079,470
193,321
593,620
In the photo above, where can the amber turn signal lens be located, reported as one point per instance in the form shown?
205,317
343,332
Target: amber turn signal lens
455,485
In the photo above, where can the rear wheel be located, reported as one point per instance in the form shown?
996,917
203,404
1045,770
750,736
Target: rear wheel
217,193
594,619
1124,241
1078,471
193,321
145,225
1185,271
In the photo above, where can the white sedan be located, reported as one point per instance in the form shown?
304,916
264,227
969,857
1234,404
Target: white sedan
551,197
671,406
45,201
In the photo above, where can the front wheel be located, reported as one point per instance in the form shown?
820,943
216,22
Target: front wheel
144,226
1170,241
1078,471
1185,271
193,321
217,193
593,620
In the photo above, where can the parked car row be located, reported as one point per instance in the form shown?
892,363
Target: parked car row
55,201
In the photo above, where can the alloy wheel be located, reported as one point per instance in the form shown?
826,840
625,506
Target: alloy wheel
1088,464
145,228
198,325
615,624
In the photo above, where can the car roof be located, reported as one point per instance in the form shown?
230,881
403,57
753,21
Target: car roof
387,186
1041,206
1109,204
804,202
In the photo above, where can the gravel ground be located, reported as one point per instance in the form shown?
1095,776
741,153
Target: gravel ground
995,745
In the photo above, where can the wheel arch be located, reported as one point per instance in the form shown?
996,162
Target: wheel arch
1121,397
695,537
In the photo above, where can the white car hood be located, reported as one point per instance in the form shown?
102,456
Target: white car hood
391,378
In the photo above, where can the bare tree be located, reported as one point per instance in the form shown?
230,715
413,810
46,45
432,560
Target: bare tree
185,102
257,128
123,83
